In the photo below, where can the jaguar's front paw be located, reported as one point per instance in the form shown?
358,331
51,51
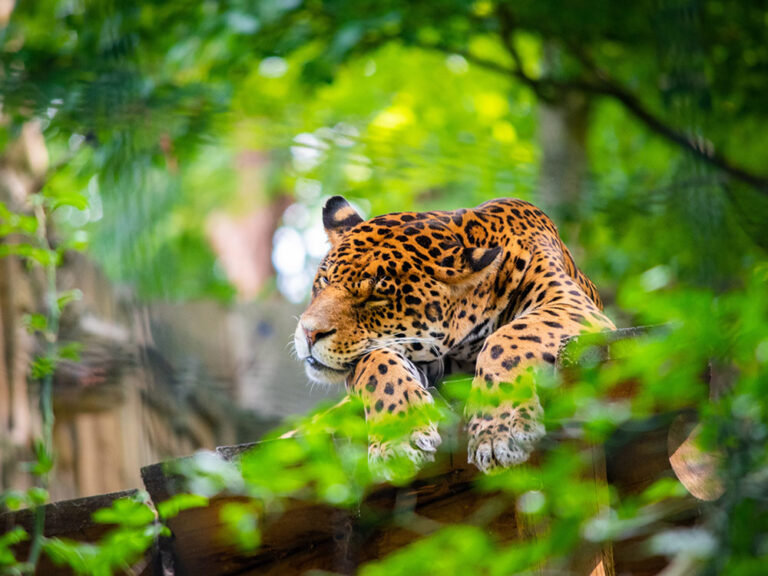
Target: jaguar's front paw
503,436
404,456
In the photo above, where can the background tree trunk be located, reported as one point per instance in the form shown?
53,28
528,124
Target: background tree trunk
23,163
563,130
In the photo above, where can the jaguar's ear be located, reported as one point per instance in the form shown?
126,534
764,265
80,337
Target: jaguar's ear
463,265
338,217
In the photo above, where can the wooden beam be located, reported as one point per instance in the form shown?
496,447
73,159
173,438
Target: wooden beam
70,519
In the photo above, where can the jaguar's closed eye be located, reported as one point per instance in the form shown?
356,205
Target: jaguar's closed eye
374,300
323,281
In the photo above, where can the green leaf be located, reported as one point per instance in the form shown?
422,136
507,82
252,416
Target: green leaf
68,296
75,199
42,366
241,521
170,508
78,556
117,550
41,256
44,461
12,223
663,489
125,512
38,496
79,242
35,323
13,499
11,538
70,351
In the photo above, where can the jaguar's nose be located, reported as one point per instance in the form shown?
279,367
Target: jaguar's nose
313,336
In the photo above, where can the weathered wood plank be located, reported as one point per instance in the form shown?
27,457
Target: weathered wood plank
306,536
70,519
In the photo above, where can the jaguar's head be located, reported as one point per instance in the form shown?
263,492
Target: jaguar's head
403,281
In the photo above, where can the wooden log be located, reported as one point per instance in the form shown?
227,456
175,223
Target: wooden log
596,560
694,468
70,519
304,535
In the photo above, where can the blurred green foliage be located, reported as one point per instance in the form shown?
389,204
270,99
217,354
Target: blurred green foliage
135,530
145,107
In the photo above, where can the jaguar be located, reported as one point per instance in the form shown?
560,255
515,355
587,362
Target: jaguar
403,299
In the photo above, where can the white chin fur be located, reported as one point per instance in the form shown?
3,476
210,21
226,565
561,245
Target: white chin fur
317,375
327,377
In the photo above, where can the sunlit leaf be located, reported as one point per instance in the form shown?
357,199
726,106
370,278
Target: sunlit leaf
68,296
178,503
125,512
70,351
35,323
241,520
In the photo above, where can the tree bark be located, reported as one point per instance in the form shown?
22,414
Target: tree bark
21,165
563,129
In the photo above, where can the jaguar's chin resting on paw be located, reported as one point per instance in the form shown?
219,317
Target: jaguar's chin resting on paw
404,298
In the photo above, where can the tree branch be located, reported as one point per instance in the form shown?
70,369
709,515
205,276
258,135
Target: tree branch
700,147
507,24
550,90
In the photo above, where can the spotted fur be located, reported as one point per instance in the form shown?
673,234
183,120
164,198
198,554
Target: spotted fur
402,299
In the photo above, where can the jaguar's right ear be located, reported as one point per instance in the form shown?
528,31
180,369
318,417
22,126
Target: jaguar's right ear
466,266
338,217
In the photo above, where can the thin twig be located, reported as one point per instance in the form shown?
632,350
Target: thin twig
46,385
